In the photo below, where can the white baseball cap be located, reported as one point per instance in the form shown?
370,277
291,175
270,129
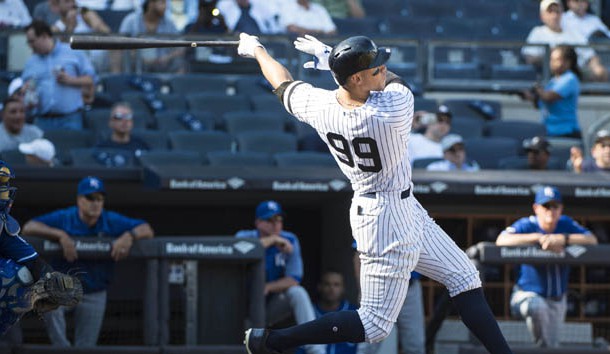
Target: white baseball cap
15,85
41,148
449,140
544,4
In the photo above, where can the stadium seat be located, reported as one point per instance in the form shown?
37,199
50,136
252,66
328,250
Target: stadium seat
486,109
423,163
387,8
253,85
513,73
357,26
515,129
411,27
174,120
156,140
13,157
96,157
201,142
487,151
269,142
117,84
134,98
304,159
467,127
426,8
66,140
455,71
239,122
266,103
425,104
239,158
217,103
190,83
168,158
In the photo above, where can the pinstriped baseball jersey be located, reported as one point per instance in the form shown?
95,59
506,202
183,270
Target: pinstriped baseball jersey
369,142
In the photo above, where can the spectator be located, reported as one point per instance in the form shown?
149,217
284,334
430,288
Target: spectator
538,153
150,21
302,17
75,19
600,155
343,8
256,16
26,93
87,219
121,126
59,75
39,152
558,100
539,295
410,321
580,19
283,264
13,128
47,12
14,13
116,5
454,153
552,34
209,20
331,297
428,144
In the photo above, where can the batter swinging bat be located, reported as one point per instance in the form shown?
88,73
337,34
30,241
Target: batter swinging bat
107,42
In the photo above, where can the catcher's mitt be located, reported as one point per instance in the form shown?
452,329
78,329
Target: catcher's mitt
54,289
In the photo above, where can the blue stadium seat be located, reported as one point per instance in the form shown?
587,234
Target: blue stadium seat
239,158
457,71
156,140
304,159
239,122
357,26
202,142
267,103
190,83
217,103
485,109
515,129
411,27
116,84
425,104
513,73
66,140
101,157
269,142
488,151
253,85
170,158
439,8
387,8
423,163
467,127
174,120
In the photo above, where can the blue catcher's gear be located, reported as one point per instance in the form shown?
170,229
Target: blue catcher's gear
13,302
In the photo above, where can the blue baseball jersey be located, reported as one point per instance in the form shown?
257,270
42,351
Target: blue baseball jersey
278,264
96,274
344,347
545,280
16,248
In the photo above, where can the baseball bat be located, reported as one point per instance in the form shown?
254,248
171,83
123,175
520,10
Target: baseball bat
113,42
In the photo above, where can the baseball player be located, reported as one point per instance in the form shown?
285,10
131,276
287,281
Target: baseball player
366,123
28,282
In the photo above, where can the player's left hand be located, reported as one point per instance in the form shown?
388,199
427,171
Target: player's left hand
311,45
247,45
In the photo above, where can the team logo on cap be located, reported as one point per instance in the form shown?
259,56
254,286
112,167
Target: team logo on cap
549,192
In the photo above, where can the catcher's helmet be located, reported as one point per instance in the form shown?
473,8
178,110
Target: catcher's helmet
355,54
7,193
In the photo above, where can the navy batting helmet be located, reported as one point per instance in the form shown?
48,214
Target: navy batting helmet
355,54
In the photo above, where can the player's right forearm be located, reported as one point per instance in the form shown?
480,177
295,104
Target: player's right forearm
506,239
38,229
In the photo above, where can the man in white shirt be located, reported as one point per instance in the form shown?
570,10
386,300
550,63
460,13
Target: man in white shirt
303,17
454,153
428,145
579,19
14,13
552,34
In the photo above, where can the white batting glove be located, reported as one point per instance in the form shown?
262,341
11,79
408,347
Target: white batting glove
247,45
320,51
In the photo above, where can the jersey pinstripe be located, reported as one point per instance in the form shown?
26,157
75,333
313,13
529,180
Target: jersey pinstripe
393,233
354,135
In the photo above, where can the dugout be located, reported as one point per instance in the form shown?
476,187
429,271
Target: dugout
202,201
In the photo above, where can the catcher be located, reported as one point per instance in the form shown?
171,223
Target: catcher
28,282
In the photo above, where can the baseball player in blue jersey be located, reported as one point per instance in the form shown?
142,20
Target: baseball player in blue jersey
283,263
25,275
366,124
539,296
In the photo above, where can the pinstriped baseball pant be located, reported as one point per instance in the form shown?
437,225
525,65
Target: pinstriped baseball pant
394,237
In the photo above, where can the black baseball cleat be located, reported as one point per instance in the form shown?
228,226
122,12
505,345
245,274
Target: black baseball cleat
256,341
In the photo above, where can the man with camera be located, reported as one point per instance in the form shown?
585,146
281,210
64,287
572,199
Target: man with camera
427,145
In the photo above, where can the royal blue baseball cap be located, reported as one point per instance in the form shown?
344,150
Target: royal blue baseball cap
547,194
268,209
90,185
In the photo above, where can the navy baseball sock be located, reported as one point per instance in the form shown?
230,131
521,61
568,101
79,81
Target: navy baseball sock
334,327
477,316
